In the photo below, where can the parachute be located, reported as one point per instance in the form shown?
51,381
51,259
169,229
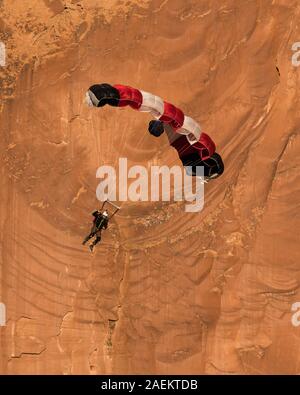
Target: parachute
194,147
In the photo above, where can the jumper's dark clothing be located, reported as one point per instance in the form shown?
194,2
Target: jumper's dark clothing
100,222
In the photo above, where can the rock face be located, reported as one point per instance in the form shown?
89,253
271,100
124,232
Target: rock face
167,291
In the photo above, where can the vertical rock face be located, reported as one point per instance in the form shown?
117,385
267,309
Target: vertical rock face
167,291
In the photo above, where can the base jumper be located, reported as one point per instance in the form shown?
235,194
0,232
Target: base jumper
100,222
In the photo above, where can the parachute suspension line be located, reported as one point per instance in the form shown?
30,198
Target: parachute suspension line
116,208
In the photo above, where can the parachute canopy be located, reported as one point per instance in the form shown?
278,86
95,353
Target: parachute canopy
194,147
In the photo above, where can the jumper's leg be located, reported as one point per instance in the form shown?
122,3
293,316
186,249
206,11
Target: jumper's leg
92,234
96,241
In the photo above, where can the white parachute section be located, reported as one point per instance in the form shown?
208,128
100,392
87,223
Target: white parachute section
90,99
155,105
191,129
